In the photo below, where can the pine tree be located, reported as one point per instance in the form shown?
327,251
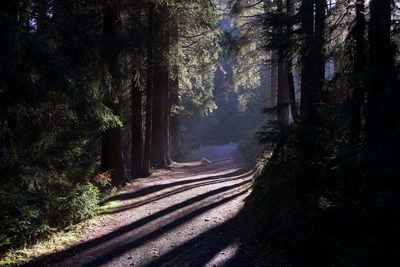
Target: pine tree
111,154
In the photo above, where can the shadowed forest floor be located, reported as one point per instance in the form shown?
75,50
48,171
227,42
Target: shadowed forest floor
186,216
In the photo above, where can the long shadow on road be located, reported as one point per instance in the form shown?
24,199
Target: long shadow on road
115,249
155,188
115,252
202,249
177,191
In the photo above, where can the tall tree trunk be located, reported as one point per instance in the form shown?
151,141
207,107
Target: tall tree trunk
174,119
381,67
383,100
272,77
160,85
167,132
137,153
157,141
149,94
283,83
359,71
271,72
359,36
292,92
111,151
307,26
137,123
312,57
174,99
283,91
318,51
289,69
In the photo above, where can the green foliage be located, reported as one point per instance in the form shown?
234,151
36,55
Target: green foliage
20,221
79,205
52,92
29,216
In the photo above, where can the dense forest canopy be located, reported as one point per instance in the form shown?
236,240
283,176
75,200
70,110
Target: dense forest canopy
94,94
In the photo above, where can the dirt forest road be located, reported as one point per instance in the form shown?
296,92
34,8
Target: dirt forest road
186,216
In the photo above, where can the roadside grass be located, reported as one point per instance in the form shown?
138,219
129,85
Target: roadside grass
59,240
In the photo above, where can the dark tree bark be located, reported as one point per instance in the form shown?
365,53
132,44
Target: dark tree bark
111,151
173,100
283,92
283,83
272,88
381,68
289,69
292,93
359,36
307,26
382,142
137,125
359,71
160,86
318,49
167,115
312,57
149,94
137,155
158,140
174,119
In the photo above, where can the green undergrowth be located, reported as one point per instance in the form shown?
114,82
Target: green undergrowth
31,226
54,242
